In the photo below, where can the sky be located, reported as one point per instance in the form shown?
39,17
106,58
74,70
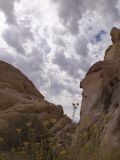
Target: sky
54,42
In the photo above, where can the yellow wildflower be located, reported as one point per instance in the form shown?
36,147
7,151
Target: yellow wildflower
37,144
68,134
1,140
13,149
25,143
18,130
63,152
53,120
45,123
32,130
28,124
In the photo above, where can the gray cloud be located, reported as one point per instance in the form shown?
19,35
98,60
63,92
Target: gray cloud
33,63
57,86
71,12
59,41
12,38
81,48
16,37
7,6
106,8
43,44
71,66
66,64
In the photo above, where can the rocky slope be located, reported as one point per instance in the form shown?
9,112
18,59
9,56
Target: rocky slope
18,97
100,108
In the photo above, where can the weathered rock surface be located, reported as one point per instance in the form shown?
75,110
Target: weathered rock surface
113,52
12,78
101,98
18,97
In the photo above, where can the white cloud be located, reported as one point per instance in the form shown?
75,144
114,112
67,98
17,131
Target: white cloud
7,6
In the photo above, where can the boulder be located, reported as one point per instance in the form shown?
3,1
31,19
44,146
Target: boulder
19,98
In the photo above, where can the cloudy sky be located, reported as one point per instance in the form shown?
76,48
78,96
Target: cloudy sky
54,42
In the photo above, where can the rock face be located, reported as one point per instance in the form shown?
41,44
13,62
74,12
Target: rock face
18,97
113,52
101,98
12,78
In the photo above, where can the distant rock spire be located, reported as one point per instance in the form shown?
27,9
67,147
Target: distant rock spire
113,51
115,35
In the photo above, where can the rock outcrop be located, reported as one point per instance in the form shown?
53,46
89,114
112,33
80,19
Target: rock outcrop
113,52
18,97
100,106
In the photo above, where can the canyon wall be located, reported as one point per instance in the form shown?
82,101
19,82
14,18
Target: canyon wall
100,108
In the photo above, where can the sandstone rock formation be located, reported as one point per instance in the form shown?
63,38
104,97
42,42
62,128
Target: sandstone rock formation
18,97
113,52
100,106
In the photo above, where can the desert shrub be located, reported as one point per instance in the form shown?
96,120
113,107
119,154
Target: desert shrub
27,136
